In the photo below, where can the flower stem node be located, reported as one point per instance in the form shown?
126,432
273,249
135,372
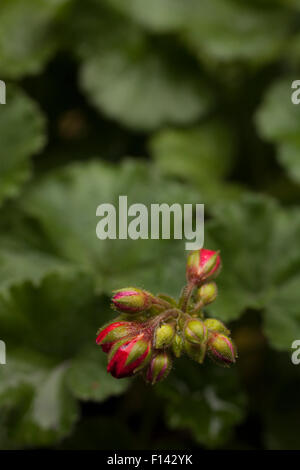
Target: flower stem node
221,349
207,293
195,331
108,335
128,356
163,336
216,326
132,300
202,265
159,367
177,345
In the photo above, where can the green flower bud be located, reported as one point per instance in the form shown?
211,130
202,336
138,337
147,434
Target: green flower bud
221,349
177,345
159,367
163,335
195,331
207,293
195,351
216,326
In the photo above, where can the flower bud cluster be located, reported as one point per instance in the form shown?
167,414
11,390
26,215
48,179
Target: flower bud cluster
153,330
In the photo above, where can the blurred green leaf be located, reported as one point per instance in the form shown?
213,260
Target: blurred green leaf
19,262
38,409
261,263
55,318
22,134
202,155
52,357
199,154
162,15
278,120
130,79
225,30
88,379
28,35
208,401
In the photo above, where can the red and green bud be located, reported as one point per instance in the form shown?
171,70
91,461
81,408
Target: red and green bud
129,355
159,367
214,325
164,335
108,335
195,331
195,351
221,349
177,345
207,293
202,265
132,300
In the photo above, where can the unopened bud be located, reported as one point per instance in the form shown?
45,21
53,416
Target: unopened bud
202,265
177,345
207,293
128,356
195,331
159,367
195,351
221,349
163,336
108,335
132,300
216,326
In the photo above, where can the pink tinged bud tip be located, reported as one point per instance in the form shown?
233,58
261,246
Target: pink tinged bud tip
159,368
129,356
221,350
132,300
202,265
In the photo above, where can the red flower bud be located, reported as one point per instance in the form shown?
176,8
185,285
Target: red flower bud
132,300
108,335
202,265
159,367
221,349
129,355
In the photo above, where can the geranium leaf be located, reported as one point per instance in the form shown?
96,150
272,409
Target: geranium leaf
19,116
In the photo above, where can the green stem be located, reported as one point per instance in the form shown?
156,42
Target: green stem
161,302
197,307
166,315
185,296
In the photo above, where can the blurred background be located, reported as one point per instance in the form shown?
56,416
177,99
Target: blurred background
184,101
